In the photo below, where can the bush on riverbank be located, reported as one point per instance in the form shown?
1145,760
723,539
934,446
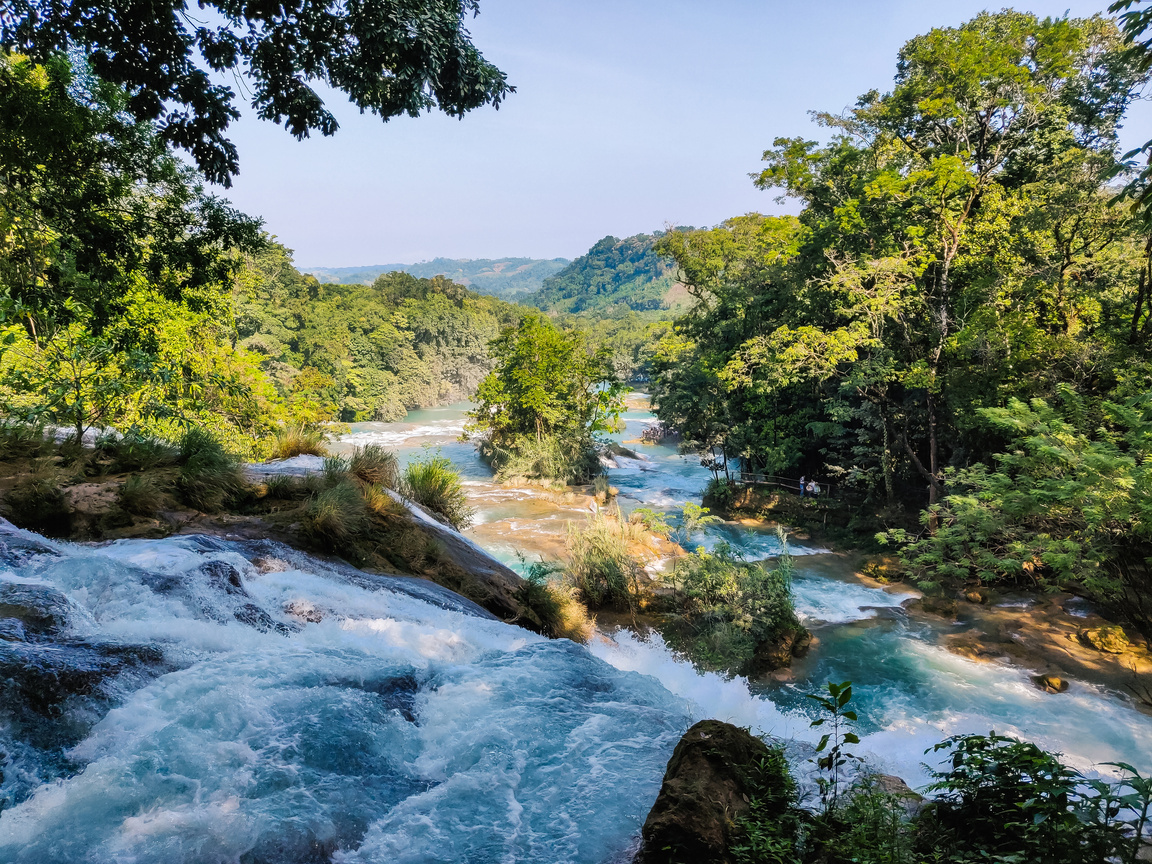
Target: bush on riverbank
601,564
734,615
997,799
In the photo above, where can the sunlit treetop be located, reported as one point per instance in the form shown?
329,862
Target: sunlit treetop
389,57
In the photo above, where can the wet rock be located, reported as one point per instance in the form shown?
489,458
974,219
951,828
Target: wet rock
224,577
1050,683
12,630
1110,640
778,653
303,611
40,610
706,789
268,564
945,607
254,616
976,596
40,677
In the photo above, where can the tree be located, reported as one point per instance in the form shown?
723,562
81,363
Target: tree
549,391
390,57
955,248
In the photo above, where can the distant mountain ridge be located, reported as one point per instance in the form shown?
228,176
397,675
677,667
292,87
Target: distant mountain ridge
614,274
501,277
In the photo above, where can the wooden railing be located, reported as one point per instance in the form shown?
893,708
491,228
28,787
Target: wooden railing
792,484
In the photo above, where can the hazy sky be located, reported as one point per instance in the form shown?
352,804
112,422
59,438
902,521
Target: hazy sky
629,115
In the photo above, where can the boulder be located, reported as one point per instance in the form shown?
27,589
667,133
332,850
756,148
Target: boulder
706,788
773,654
934,604
1110,640
1050,683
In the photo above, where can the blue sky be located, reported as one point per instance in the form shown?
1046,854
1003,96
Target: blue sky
630,115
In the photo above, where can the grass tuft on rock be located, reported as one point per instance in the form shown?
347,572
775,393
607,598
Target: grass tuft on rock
37,502
336,514
209,476
24,441
434,484
298,440
375,466
140,494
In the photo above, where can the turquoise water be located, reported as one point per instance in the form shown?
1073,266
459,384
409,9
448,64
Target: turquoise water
201,700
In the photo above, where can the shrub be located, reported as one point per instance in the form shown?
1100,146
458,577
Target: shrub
375,466
653,521
561,614
720,492
335,470
336,514
24,441
135,452
298,440
603,570
434,484
729,607
284,487
141,495
39,504
209,475
567,459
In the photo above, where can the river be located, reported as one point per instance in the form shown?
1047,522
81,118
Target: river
199,700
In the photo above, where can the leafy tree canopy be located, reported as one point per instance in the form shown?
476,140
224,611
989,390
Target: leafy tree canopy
390,57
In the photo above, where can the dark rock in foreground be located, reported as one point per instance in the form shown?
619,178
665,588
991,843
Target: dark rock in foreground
706,789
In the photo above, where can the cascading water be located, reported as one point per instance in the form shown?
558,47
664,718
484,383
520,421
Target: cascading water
201,700
910,691
170,709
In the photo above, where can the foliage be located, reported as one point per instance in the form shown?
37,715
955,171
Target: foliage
134,451
728,607
626,273
298,440
388,58
601,565
209,475
1001,800
555,604
955,248
434,483
375,466
832,744
38,503
694,519
140,494
23,440
364,353
548,386
653,521
1064,506
1007,799
771,830
336,514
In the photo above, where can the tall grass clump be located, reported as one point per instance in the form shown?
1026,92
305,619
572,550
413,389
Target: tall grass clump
375,466
298,440
335,470
336,514
209,475
134,452
38,503
555,604
601,566
434,484
567,459
141,495
24,440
